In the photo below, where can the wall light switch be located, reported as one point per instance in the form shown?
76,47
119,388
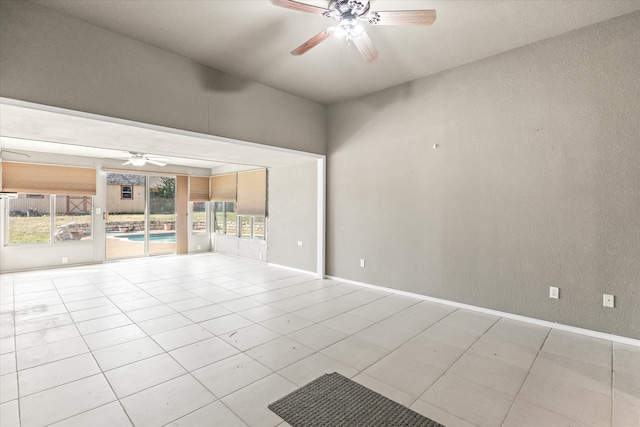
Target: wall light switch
608,300
554,292
299,242
98,211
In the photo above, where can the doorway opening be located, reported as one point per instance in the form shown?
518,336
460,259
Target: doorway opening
140,215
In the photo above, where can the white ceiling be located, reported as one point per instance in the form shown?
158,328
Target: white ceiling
253,38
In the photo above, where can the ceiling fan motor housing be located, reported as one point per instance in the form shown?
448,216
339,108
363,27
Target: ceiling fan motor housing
348,9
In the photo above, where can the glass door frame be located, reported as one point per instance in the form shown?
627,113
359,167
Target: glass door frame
147,247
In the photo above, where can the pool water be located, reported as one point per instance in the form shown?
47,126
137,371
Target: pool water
153,237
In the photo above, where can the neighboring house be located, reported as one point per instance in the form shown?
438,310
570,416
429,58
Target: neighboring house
125,193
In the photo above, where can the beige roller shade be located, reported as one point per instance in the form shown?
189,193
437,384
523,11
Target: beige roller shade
46,179
198,188
252,193
182,214
223,188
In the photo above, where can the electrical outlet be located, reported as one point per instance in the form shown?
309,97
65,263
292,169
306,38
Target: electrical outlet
608,300
299,242
199,247
261,255
65,260
362,263
554,292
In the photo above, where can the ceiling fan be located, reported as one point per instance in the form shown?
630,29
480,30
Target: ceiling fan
140,159
347,13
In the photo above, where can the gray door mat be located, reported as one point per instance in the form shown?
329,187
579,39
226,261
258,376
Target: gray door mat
336,401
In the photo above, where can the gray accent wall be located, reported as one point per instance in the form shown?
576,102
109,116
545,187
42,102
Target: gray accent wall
535,182
292,208
52,59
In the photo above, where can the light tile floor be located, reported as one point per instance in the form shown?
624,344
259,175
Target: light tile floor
211,340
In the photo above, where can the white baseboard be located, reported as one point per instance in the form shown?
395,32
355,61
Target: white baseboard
297,270
545,323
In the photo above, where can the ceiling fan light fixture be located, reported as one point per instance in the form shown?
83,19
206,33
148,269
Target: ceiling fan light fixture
349,29
138,161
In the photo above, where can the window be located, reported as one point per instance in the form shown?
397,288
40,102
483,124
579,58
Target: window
72,219
199,217
43,218
29,219
126,192
252,227
246,226
224,219
258,227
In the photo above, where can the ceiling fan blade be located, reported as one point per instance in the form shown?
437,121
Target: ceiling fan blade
158,158
128,162
155,162
401,17
365,47
300,7
312,42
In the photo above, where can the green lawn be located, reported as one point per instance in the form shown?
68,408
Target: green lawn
24,229
29,229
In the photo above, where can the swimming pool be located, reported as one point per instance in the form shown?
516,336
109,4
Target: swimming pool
153,237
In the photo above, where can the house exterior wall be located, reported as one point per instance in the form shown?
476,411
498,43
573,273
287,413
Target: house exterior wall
116,204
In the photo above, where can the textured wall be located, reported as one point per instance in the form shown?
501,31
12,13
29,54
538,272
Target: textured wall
49,58
535,183
293,208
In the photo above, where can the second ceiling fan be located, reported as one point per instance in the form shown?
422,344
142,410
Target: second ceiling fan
348,13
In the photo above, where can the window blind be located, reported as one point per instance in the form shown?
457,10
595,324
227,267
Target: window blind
223,188
47,179
198,188
182,214
252,193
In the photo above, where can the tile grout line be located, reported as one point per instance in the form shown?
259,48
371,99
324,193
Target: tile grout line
313,323
188,371
453,363
15,347
93,356
613,389
164,352
276,372
525,378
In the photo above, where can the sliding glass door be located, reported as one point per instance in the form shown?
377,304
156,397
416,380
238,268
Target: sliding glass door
162,215
140,215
